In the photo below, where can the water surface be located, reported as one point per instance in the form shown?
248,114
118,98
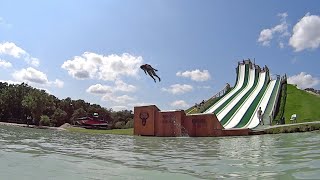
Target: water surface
46,154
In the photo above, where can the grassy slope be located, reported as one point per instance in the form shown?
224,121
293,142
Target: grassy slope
96,131
304,104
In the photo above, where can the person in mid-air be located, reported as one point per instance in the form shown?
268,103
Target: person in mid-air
148,68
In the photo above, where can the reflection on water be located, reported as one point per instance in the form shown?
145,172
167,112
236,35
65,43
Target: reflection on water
44,154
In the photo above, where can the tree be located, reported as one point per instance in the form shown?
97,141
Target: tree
130,123
37,101
67,106
77,114
44,120
59,117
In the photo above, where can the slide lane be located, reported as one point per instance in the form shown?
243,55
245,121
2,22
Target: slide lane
229,109
240,111
239,84
245,83
272,101
253,120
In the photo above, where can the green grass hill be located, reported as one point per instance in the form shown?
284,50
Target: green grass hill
302,103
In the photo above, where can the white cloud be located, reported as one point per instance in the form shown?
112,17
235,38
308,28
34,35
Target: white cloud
110,68
281,45
35,77
195,75
306,33
119,86
179,103
178,88
122,86
11,49
117,99
31,75
303,80
5,64
266,35
33,61
58,83
99,89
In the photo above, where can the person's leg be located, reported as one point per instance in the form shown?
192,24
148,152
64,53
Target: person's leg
260,120
150,74
154,74
157,77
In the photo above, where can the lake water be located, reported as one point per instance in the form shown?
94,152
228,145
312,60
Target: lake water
46,154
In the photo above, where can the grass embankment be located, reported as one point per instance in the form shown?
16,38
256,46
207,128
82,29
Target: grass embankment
302,103
98,131
293,128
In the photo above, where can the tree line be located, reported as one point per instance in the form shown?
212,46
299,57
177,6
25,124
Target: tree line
20,102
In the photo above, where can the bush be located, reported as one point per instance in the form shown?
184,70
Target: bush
44,120
120,125
129,124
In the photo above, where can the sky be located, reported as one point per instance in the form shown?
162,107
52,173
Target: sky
92,49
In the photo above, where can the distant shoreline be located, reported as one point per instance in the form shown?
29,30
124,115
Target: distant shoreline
276,129
32,126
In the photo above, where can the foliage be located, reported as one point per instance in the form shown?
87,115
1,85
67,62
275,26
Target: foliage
123,115
120,125
78,114
44,120
129,124
19,101
37,101
59,117
10,100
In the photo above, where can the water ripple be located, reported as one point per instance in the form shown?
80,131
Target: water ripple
266,156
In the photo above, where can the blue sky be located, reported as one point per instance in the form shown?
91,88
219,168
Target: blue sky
92,50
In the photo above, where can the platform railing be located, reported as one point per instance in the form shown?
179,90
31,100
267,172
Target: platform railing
204,105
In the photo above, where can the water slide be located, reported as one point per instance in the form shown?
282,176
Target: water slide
238,86
269,112
253,89
266,103
229,109
240,112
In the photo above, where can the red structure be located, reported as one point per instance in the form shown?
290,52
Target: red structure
150,121
93,122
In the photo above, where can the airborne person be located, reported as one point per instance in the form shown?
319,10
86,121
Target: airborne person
148,68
